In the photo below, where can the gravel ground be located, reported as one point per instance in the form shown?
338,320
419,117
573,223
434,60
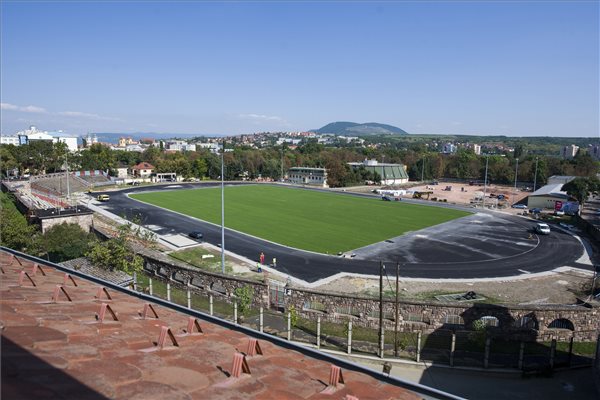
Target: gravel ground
558,288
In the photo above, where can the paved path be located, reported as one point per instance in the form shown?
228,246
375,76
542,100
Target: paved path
483,245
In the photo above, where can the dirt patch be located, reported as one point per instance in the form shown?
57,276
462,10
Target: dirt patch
556,288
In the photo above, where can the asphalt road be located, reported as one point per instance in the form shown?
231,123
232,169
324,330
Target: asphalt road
483,245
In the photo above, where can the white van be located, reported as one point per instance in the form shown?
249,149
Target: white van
542,229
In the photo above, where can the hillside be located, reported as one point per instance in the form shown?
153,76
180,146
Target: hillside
356,129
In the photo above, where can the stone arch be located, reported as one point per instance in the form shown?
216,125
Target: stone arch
453,320
561,323
528,322
490,321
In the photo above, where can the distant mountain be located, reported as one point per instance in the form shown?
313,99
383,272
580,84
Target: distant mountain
355,129
111,137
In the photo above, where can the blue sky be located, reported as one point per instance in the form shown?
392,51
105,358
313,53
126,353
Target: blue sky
509,68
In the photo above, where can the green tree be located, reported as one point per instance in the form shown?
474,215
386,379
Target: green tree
15,232
116,254
65,242
580,188
244,298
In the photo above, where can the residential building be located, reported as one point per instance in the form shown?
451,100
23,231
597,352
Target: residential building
569,151
449,148
14,140
33,134
594,151
179,145
142,170
477,149
308,176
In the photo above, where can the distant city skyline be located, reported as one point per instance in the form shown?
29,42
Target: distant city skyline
228,68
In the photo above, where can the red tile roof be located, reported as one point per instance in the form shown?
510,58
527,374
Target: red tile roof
143,165
56,348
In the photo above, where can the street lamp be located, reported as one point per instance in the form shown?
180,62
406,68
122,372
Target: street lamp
223,208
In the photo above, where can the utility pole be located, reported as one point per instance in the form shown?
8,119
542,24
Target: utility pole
423,169
381,268
487,159
223,208
397,311
282,163
535,175
516,173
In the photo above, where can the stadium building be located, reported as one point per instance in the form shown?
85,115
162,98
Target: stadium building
391,174
308,176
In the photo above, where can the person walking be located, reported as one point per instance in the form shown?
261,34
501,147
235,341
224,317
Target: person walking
274,262
262,258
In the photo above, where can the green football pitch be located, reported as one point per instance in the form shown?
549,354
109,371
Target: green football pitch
305,219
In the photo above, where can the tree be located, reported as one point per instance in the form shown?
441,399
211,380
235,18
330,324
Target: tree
580,188
115,253
15,232
65,242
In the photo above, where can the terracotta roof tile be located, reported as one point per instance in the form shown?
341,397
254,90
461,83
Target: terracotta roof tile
60,350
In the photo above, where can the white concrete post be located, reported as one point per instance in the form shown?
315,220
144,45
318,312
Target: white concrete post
349,337
168,291
382,344
260,320
521,354
318,332
150,286
235,318
552,352
289,326
418,358
210,304
189,299
135,281
452,349
486,357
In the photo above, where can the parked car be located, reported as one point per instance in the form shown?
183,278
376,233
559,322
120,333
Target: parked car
386,198
103,197
535,210
196,235
520,206
542,229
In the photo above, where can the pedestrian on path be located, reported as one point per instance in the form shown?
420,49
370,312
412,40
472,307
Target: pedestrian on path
258,268
274,262
262,258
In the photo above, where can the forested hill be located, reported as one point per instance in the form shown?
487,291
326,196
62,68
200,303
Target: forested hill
356,129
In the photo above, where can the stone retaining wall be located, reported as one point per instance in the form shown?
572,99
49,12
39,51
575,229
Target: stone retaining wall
533,322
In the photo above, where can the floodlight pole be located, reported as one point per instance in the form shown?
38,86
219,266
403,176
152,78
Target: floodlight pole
423,169
516,172
223,208
535,175
487,159
68,187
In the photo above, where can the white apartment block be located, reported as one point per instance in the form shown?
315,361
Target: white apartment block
569,151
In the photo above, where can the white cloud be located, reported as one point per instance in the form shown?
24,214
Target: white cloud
28,109
78,114
6,106
261,119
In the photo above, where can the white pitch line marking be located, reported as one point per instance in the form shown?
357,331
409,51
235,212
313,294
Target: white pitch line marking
523,271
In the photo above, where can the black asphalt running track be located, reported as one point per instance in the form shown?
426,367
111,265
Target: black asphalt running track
483,245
